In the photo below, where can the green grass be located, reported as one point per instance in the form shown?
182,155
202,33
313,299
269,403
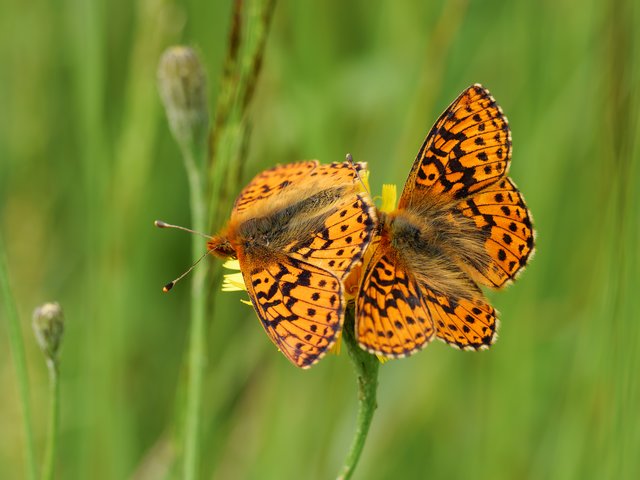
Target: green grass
87,163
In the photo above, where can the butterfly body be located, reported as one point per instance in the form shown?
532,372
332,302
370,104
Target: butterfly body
460,222
436,246
297,232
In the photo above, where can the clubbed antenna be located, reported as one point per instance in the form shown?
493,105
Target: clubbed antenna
161,224
172,283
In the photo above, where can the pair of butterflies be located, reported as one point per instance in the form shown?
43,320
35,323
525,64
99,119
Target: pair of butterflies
299,230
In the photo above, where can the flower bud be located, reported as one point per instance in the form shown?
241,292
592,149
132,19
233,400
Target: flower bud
48,326
183,87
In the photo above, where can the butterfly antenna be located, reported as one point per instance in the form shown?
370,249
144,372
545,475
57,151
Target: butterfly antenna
161,224
349,159
171,284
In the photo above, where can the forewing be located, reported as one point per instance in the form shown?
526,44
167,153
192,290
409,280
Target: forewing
342,238
272,181
392,317
467,149
466,323
276,179
500,212
299,305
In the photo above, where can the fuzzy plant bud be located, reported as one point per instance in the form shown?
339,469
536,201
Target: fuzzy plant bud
183,87
48,326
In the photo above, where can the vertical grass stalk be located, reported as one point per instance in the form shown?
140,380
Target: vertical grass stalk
182,87
197,344
48,466
20,361
182,83
48,327
366,366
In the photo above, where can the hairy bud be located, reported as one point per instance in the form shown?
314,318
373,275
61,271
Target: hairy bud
183,87
48,326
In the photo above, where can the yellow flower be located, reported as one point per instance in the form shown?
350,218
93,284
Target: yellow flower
233,282
389,197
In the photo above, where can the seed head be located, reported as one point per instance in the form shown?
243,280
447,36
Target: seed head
48,326
183,87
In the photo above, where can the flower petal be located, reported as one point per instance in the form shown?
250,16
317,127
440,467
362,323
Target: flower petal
389,196
231,265
233,282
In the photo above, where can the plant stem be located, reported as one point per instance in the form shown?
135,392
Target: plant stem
366,366
19,358
48,467
197,344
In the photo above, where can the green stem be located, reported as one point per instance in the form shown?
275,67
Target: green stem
366,366
48,466
19,358
197,344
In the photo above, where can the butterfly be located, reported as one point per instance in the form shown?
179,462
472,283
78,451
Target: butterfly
460,222
297,231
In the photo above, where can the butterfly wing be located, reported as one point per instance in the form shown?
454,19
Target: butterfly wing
293,175
392,316
342,239
398,313
466,323
271,182
467,149
299,305
296,286
500,212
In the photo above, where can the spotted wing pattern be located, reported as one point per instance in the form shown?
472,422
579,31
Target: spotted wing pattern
297,289
467,149
393,317
469,324
500,211
341,172
299,305
273,181
341,243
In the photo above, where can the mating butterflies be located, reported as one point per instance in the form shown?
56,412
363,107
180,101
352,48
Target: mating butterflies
460,221
297,231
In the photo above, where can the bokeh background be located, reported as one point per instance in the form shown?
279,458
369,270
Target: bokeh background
87,163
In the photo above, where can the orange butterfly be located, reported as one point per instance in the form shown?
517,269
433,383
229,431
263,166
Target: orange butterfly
297,231
460,221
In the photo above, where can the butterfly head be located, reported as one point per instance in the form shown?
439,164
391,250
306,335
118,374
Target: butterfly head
220,246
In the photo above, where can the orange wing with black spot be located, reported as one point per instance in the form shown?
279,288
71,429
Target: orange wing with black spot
501,213
293,175
299,305
393,317
398,314
343,239
466,323
272,181
467,149
298,290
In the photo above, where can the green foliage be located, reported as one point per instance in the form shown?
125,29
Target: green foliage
87,163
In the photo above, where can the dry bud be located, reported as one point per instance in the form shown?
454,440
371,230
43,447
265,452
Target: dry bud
48,326
183,87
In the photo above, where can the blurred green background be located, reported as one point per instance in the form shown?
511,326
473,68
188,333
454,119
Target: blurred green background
87,163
